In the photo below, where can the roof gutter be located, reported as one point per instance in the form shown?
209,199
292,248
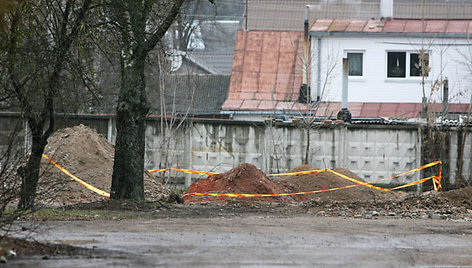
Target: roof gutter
383,34
231,112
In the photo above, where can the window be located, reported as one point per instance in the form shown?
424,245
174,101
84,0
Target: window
397,64
416,62
355,63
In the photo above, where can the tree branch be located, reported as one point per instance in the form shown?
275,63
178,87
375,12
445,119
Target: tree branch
162,29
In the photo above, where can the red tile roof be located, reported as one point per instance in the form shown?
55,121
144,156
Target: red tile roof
427,26
267,67
267,73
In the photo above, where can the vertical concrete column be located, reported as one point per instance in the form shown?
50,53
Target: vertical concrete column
111,135
345,141
188,152
419,157
110,129
28,139
339,147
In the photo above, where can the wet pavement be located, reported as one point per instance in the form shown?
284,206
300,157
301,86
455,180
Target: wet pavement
261,241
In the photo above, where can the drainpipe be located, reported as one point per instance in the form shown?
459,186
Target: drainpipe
445,98
304,96
305,46
344,114
245,16
318,82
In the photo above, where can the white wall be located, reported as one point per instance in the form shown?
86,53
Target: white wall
446,60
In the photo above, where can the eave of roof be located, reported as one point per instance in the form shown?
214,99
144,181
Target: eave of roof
330,109
392,28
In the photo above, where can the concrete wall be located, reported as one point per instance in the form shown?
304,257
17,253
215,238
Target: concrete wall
371,151
455,143
13,138
446,60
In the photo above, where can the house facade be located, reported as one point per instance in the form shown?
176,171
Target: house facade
391,60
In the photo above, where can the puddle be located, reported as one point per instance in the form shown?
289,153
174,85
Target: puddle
78,242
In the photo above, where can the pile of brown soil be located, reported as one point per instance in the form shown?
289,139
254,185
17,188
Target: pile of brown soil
243,179
328,180
88,156
459,198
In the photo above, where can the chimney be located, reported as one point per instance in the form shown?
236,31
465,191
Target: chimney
386,8
305,96
344,114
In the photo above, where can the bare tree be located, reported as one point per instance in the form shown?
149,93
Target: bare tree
11,157
36,43
139,26
307,117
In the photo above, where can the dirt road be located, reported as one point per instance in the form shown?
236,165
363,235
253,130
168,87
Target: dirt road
264,240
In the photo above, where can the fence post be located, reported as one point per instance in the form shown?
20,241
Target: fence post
419,157
188,152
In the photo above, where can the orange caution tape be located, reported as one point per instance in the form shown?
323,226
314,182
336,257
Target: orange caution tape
183,171
298,173
268,195
83,183
292,173
158,170
436,183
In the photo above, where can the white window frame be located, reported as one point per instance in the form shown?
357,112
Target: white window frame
360,51
408,76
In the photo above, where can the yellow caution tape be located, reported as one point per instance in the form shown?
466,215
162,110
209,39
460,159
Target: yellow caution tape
183,171
298,173
83,183
293,173
269,195
436,183
158,170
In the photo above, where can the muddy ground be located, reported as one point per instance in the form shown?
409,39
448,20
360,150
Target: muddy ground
352,227
255,236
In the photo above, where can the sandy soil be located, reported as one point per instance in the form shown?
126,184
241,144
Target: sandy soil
209,236
87,155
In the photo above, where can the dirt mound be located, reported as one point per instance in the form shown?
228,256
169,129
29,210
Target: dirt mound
459,198
245,178
327,180
88,156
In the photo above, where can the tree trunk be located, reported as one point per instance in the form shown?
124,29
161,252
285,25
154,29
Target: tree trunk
128,168
30,173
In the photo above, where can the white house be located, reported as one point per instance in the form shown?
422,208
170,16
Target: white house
386,58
